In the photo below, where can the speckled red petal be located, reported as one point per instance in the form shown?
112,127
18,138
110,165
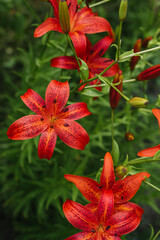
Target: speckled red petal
72,7
79,216
156,113
47,143
149,152
105,206
89,188
126,188
129,206
57,94
79,42
71,133
50,24
107,176
99,64
65,62
27,127
55,7
34,101
75,111
83,236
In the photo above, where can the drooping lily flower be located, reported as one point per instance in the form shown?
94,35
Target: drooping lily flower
149,73
82,22
51,119
123,189
102,222
93,58
135,59
150,152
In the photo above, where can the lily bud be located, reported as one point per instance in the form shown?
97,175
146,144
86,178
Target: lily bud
149,73
123,10
129,136
138,102
114,96
64,17
135,59
146,41
121,171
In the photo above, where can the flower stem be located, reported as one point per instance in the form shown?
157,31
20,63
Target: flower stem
156,235
99,3
141,160
119,39
129,80
74,52
32,11
152,185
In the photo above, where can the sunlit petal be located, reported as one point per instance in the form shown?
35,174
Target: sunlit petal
149,152
65,62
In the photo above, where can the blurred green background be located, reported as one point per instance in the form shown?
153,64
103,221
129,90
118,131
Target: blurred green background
32,191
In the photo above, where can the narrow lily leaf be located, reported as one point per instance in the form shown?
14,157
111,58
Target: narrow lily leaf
157,155
152,232
92,92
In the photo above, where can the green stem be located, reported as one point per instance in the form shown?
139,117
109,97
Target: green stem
32,11
119,39
99,3
156,235
152,185
91,79
112,130
141,160
129,80
112,85
141,52
74,52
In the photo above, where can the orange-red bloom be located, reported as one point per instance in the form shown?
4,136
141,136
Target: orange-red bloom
51,119
150,152
149,73
114,96
103,222
123,190
93,57
82,22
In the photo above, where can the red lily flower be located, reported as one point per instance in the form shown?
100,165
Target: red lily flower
82,22
150,152
101,223
149,73
123,189
93,58
52,119
135,59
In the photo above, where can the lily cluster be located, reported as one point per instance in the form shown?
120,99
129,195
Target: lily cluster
109,213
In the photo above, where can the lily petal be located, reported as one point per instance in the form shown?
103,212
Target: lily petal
79,42
47,143
27,127
105,206
156,113
75,111
122,223
105,236
107,176
65,62
126,188
149,152
100,47
34,101
79,216
83,236
129,206
72,7
89,188
57,94
50,24
55,7
71,133
99,64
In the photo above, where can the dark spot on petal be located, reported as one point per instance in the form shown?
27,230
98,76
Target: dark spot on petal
92,230
69,5
108,227
122,197
91,51
65,110
66,125
108,60
76,8
101,187
54,101
100,53
44,106
51,127
42,119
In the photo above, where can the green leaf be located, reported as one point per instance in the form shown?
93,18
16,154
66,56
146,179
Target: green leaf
124,55
157,155
91,92
84,71
152,232
115,152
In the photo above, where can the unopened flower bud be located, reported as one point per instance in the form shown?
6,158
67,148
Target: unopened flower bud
149,73
129,136
123,10
135,59
146,41
121,171
64,17
114,96
138,102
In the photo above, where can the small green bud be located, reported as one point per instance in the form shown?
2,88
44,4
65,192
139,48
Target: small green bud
121,171
138,102
64,17
123,10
